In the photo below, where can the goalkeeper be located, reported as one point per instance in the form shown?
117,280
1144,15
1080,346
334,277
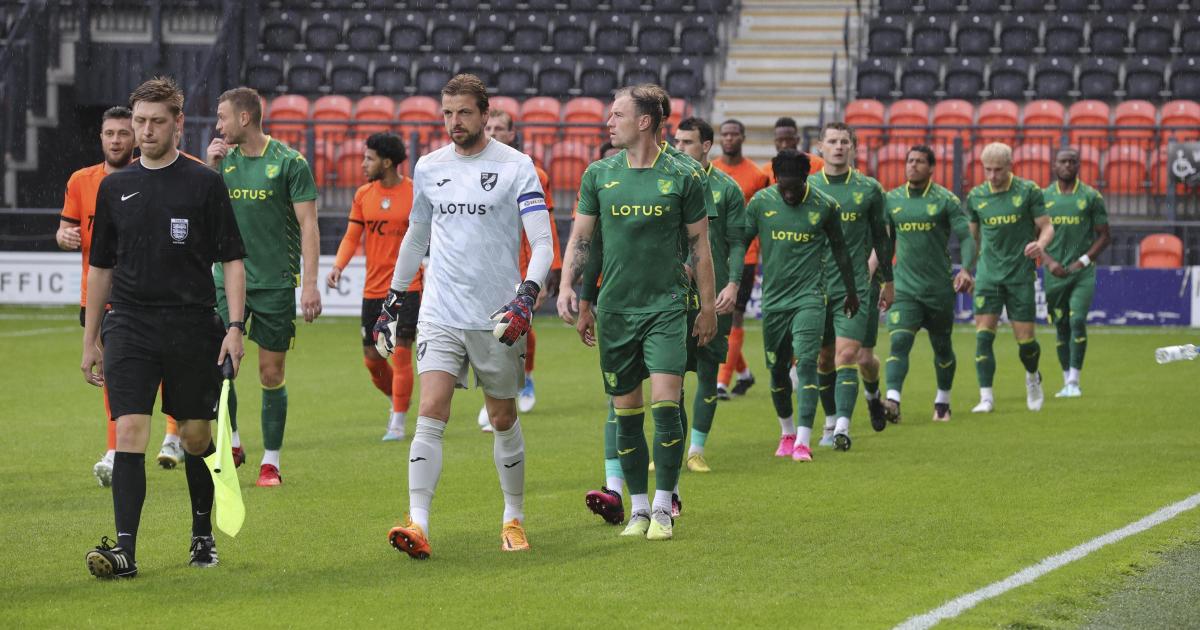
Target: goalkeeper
471,199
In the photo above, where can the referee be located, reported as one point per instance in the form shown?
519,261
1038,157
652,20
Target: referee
160,225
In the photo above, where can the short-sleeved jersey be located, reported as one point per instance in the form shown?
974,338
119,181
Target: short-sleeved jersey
79,208
727,227
160,231
1006,226
751,179
794,240
860,201
474,204
263,190
642,213
1075,214
379,220
922,223
526,249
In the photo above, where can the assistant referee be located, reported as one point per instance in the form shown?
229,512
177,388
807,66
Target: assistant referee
160,225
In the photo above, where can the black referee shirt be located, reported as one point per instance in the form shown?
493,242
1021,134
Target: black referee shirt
161,230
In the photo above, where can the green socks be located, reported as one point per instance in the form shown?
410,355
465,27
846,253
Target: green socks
1078,342
1062,343
610,433
781,391
668,445
846,390
704,407
807,396
985,359
1029,351
825,382
632,450
897,361
274,416
944,362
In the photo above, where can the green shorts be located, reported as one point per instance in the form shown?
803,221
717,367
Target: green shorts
872,308
635,345
794,333
270,317
716,350
912,314
857,327
1017,297
1071,296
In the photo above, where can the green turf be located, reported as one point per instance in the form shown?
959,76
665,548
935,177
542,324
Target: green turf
908,519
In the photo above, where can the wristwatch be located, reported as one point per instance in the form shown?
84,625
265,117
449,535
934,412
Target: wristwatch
238,325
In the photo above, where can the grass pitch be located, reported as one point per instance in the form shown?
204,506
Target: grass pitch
908,519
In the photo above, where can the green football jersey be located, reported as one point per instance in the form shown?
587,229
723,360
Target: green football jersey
861,211
921,223
1006,226
710,207
1075,215
641,213
794,240
726,229
263,190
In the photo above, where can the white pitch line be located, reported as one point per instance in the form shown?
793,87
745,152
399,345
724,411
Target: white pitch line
37,331
959,605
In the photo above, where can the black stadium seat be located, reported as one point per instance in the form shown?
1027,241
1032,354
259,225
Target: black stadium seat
1018,35
348,72
1099,78
712,6
282,31
1162,5
668,6
1110,35
626,6
1009,78
432,73
570,33
599,75
448,32
1144,77
1185,78
264,72
642,69
698,35
323,30
685,77
491,31
887,35
1073,6
531,31
504,5
942,6
964,78
931,34
1054,78
614,33
381,5
462,5
1028,6
983,6
421,5
1116,6
555,75
1154,35
390,73
876,78
365,32
920,78
482,66
1064,34
656,33
975,35
1189,32
895,7
408,32
514,75
306,72
580,5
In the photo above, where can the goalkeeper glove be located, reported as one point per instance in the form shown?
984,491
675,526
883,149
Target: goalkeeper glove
384,332
512,320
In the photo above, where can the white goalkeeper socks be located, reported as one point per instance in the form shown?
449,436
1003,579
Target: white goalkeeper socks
508,451
424,468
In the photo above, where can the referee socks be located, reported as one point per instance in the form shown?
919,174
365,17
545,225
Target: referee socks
200,489
129,494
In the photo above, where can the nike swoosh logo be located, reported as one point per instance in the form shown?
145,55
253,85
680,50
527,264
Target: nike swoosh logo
442,183
131,196
512,464
626,451
230,169
416,459
202,513
980,359
671,443
610,185
710,399
771,213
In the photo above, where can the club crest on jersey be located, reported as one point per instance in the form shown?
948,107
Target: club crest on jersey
1017,200
894,316
610,378
896,210
386,203
488,180
716,196
814,217
858,197
272,171
179,230
1081,204
931,208
421,350
770,358
664,186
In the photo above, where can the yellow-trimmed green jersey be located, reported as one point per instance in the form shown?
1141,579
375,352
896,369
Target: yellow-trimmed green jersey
794,241
710,207
262,190
1075,214
641,213
921,222
860,198
1006,226
725,231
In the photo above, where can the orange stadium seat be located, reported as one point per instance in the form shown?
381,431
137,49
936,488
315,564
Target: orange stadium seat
333,107
540,116
1184,116
1161,251
866,116
889,167
1048,115
1125,169
1135,122
908,113
1088,114
347,158
567,163
287,107
322,163
943,170
998,121
505,104
413,111
680,109
1032,161
584,109
973,168
374,108
953,118
1089,164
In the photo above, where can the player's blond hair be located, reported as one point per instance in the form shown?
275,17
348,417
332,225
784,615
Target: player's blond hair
159,90
996,152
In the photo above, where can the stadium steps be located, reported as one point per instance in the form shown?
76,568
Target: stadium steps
778,64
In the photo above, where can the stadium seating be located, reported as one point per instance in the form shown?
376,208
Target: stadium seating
448,32
583,110
366,32
540,116
1009,78
334,107
348,72
491,32
1155,35
876,78
1089,163
1047,114
1125,169
643,69
1032,161
1134,122
347,159
389,73
1018,34
1182,118
408,32
1189,32
555,74
530,32
505,104
264,72
515,75
373,108
323,31
1109,35
1099,77
306,72
888,35
282,31
952,118
570,33
889,165
685,77
567,163
1054,78
418,109
599,75
920,78
1160,174
1161,251
964,78
482,66
1092,114
866,115
1185,77
657,33
1064,34
975,35
432,72
998,121
908,121
931,34
284,108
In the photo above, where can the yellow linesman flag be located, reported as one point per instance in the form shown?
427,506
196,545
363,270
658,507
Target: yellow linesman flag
227,494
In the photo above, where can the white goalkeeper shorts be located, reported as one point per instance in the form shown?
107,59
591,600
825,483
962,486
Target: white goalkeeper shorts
499,369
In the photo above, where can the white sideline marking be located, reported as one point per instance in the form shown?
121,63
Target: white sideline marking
37,331
31,317
959,605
